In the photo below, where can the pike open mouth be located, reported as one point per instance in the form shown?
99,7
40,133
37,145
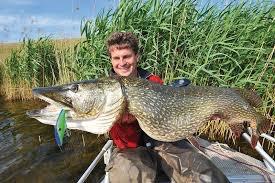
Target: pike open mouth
58,103
46,99
50,111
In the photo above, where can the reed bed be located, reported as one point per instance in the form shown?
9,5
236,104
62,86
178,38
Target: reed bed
231,47
41,62
6,48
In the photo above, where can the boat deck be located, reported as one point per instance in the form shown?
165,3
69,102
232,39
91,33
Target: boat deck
238,167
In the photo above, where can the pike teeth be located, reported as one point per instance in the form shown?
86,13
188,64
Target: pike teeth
52,102
46,99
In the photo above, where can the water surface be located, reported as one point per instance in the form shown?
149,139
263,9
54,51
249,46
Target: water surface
28,152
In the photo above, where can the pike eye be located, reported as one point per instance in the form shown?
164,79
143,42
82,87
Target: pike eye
74,88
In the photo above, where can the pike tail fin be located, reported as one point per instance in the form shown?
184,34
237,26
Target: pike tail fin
254,140
263,124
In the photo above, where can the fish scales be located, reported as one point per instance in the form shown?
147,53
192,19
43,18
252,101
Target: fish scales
177,113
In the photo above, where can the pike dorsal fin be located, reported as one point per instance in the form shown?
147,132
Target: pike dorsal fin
250,96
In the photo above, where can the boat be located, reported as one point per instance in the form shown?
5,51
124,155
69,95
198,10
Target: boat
237,166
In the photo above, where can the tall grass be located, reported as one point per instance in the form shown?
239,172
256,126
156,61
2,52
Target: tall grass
36,63
65,58
6,48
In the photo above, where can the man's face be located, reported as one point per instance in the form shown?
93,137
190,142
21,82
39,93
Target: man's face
124,61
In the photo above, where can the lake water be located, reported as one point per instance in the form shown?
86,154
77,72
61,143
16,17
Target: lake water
28,152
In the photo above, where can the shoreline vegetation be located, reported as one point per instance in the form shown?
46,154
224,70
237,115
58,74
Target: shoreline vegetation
33,63
228,47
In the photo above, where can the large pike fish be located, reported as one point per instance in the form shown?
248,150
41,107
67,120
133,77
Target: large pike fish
164,113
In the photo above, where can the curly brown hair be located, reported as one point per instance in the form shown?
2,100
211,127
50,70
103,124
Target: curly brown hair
123,40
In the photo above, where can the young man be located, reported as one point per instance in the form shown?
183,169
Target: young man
132,161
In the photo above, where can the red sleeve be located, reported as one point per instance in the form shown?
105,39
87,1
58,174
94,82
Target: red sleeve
126,135
155,79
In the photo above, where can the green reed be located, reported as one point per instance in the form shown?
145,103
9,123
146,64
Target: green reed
32,65
209,46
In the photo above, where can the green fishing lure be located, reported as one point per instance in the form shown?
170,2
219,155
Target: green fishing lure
60,129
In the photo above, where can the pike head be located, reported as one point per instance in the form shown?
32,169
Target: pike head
92,105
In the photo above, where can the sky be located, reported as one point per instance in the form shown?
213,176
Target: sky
54,18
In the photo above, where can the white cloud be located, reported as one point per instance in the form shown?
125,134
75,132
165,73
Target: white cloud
20,2
42,21
14,27
7,19
52,21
